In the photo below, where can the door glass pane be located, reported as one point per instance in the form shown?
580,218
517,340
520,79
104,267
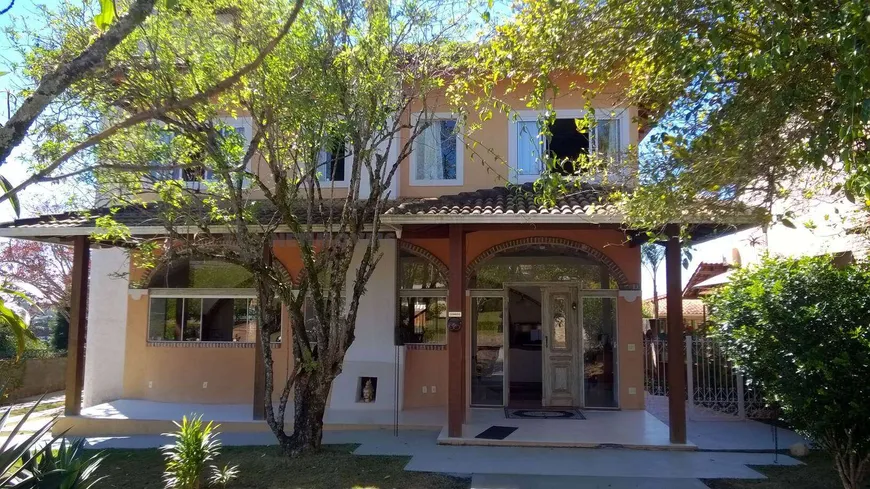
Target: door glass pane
488,352
599,351
560,323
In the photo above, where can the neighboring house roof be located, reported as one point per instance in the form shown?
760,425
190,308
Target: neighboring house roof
691,307
703,273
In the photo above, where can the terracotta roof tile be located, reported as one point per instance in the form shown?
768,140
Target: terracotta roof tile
516,200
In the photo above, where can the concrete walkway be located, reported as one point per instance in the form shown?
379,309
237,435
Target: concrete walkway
490,465
560,482
726,433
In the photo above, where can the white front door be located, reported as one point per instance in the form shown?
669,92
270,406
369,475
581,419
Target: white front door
561,385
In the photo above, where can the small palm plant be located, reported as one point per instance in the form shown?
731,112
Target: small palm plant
66,467
196,444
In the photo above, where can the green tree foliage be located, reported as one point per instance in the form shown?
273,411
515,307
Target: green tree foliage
60,332
148,64
13,329
746,95
800,328
357,82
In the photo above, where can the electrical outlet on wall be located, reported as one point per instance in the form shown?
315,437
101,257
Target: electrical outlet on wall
205,385
631,347
424,390
150,384
632,391
433,389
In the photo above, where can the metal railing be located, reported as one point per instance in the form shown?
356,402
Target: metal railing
715,387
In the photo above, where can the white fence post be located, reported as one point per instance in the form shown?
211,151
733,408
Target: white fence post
741,396
690,381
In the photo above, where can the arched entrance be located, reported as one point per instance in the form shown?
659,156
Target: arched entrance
544,325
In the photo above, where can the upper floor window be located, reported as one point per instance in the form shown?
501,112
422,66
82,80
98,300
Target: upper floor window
333,162
564,142
437,154
193,175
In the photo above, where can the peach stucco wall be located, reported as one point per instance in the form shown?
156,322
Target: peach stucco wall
486,150
194,373
421,366
425,368
177,374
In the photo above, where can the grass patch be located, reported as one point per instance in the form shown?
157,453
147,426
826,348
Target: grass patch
265,467
818,473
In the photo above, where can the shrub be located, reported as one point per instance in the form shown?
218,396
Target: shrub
801,329
32,463
196,444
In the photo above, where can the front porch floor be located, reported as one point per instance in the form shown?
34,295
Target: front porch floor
623,429
139,417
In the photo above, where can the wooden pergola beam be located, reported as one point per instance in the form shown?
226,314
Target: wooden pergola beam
78,326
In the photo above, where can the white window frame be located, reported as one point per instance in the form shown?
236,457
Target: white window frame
348,166
460,154
618,113
245,122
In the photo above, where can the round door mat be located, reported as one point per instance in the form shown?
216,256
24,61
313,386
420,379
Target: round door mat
543,414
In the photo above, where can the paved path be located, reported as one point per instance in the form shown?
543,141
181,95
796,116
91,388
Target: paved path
561,482
594,465
727,432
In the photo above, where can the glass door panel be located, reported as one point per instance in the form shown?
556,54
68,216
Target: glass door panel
599,351
488,351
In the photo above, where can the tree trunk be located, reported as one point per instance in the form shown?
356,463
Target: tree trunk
851,470
655,299
307,435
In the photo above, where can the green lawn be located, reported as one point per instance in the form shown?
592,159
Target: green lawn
41,407
818,473
264,467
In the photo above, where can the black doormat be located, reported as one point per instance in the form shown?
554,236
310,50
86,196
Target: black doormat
496,432
546,413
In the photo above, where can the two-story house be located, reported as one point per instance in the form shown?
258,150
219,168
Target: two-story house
547,298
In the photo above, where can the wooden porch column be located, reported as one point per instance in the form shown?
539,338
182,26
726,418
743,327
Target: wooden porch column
78,326
676,333
259,362
456,347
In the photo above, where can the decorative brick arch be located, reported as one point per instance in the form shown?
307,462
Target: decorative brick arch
582,248
410,248
164,262
428,256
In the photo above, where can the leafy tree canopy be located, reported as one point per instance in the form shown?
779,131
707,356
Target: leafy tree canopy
745,95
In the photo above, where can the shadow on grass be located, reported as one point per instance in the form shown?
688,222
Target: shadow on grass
816,473
265,467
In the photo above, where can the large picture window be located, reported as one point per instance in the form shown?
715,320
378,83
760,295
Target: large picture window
202,319
203,301
422,301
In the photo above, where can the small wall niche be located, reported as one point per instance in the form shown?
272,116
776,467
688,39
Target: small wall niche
367,389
